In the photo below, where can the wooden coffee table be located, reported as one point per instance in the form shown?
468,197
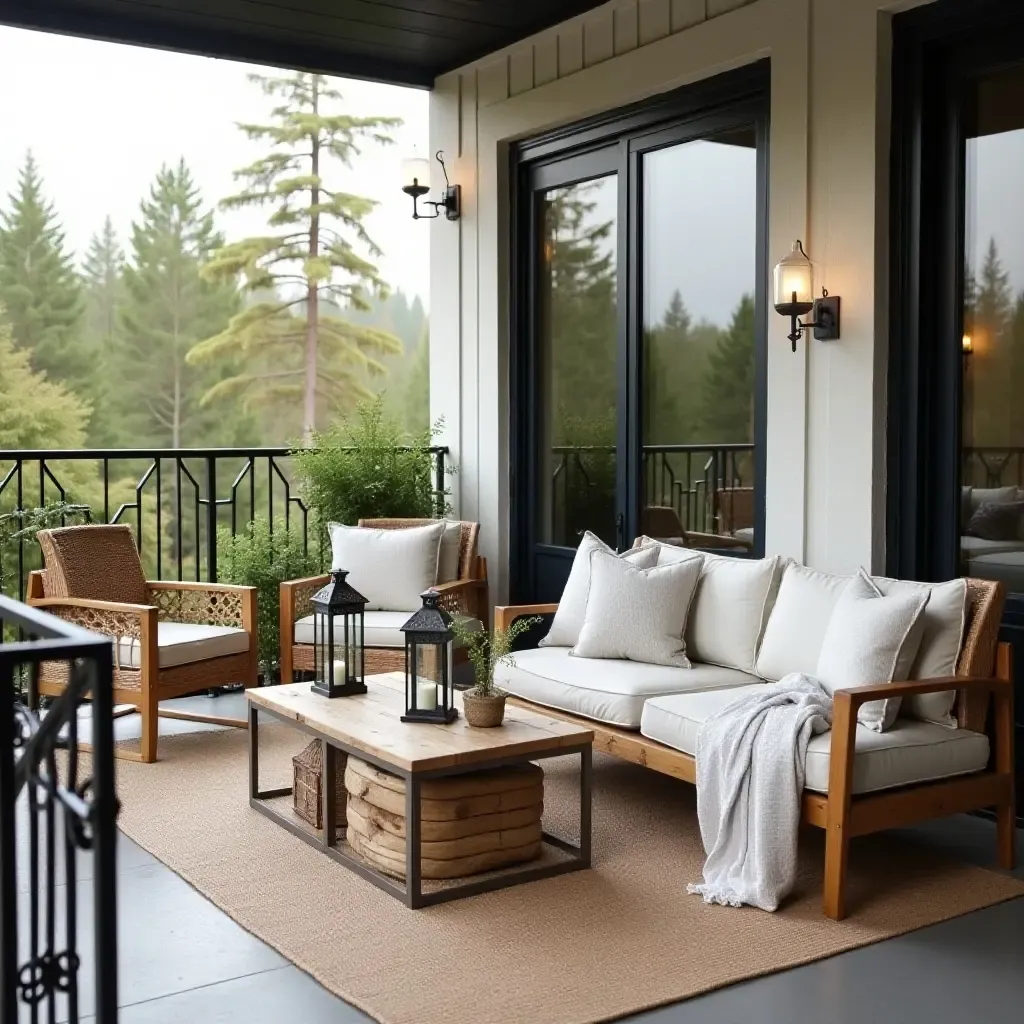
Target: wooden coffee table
369,727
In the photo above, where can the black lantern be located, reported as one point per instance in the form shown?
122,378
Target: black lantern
338,638
429,643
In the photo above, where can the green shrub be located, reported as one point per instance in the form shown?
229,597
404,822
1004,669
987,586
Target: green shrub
263,559
367,468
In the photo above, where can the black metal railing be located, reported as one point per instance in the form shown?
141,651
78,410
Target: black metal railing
690,479
50,811
175,499
993,466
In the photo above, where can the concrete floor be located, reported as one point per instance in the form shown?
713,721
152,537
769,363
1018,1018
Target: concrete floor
182,959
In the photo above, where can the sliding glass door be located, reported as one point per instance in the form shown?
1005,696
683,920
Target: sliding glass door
638,336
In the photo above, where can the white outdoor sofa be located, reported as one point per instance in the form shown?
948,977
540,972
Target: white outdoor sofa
857,781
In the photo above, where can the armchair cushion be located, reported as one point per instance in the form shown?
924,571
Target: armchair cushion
612,692
184,643
390,568
448,556
99,563
380,629
909,752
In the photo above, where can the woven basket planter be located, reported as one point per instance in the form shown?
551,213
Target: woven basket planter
484,712
307,791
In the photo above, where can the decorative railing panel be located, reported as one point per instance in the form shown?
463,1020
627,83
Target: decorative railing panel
993,467
174,500
51,810
696,482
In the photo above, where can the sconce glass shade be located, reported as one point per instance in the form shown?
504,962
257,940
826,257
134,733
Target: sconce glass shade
416,176
794,283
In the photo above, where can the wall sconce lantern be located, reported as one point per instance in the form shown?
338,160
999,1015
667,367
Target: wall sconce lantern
794,297
416,183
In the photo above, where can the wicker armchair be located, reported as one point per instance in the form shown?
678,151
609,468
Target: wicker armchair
466,595
170,639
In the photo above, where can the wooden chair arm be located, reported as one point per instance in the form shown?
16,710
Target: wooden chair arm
107,618
505,615
296,596
210,588
857,695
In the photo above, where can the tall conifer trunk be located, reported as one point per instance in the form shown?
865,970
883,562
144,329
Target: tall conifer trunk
312,296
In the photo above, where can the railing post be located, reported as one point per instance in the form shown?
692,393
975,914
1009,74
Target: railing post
8,846
439,482
211,518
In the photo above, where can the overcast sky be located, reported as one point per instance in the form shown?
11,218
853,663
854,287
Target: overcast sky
101,118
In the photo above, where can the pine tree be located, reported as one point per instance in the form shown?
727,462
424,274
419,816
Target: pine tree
103,278
317,255
727,396
168,307
38,284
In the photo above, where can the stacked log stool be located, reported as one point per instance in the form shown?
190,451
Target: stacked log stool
469,823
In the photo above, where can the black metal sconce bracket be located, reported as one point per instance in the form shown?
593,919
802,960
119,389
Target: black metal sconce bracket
825,322
451,198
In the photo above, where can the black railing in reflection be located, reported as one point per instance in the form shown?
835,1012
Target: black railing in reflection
707,488
175,499
52,808
993,466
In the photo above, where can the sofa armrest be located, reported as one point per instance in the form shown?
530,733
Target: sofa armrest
297,597
461,597
505,615
213,604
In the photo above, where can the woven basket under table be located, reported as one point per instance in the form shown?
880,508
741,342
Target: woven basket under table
307,769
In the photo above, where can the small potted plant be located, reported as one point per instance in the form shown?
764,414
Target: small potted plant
484,703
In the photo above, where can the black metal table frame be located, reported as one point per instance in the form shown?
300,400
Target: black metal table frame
412,893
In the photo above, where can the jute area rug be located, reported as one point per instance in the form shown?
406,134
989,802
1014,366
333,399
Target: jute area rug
588,946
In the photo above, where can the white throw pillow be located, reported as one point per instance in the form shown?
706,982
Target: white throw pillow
637,614
730,609
448,557
871,639
565,630
798,621
943,622
390,568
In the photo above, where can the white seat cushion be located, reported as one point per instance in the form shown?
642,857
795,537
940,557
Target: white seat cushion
612,692
182,643
909,752
380,629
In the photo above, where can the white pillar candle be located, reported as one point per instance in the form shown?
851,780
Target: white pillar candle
338,674
426,695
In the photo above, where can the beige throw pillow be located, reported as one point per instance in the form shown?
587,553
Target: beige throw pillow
565,630
871,639
637,614
390,568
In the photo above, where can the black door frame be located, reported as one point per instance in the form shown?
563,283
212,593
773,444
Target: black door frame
936,50
736,98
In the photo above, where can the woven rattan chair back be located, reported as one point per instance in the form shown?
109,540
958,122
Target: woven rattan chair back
467,543
985,601
100,563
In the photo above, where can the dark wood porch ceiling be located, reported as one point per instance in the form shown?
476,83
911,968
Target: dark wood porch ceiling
408,42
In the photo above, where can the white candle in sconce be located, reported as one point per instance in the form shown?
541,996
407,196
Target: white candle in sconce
426,694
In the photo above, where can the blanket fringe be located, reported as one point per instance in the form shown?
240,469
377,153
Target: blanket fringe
712,894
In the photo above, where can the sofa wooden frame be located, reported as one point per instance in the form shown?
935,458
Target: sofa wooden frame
840,813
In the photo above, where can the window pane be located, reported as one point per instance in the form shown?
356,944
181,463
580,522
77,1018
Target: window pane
577,351
992,499
699,275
